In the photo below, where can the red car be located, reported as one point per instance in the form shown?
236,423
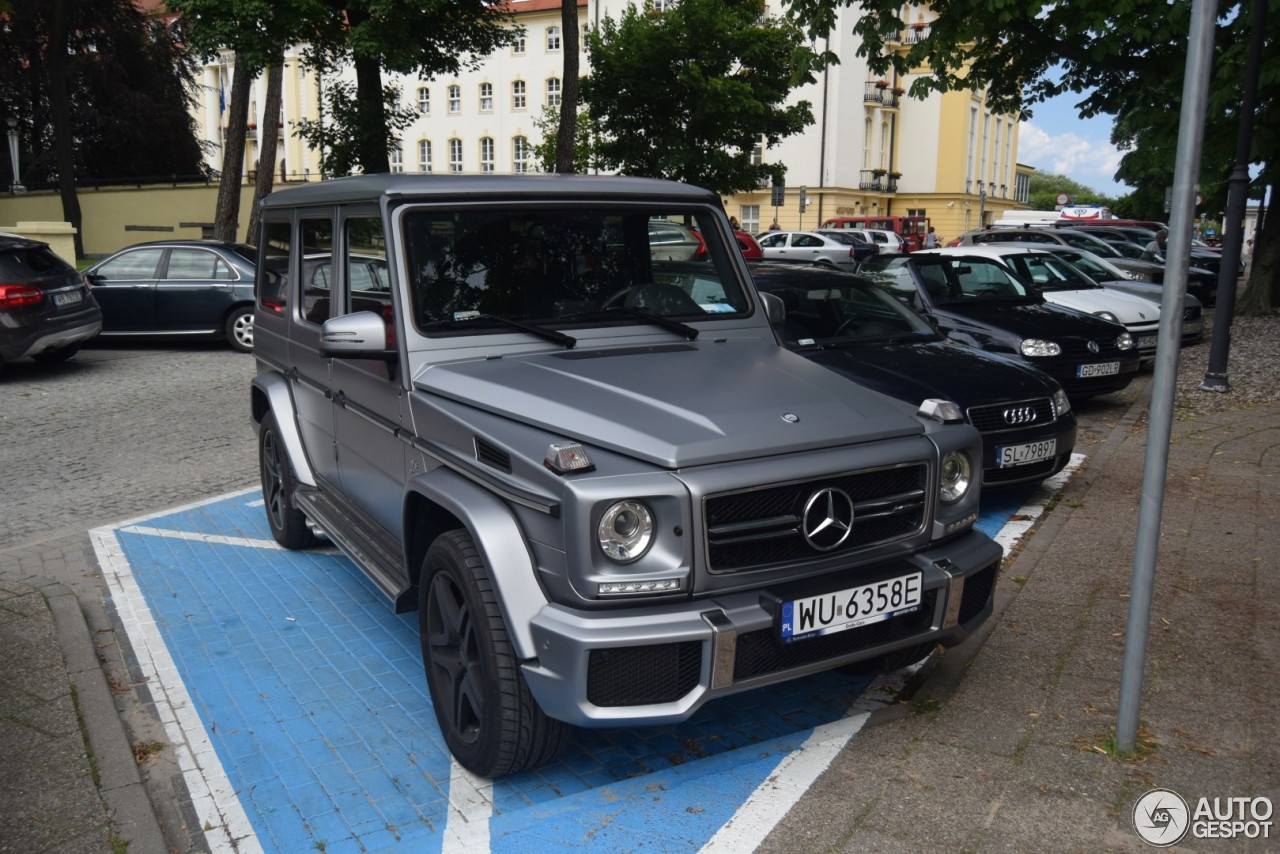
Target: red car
748,245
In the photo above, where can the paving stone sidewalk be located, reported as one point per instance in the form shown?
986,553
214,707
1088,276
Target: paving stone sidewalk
1003,746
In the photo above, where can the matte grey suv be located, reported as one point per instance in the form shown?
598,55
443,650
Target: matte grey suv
607,490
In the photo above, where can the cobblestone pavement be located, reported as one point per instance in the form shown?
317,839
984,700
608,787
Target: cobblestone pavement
120,432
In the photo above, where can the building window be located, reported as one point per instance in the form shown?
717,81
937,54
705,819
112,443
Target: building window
397,159
455,155
553,39
518,46
520,152
455,99
424,100
486,154
750,218
916,212
553,91
662,5
518,95
757,153
486,97
424,155
866,144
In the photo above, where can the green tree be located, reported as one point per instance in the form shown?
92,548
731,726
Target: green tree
100,93
1123,59
1045,187
689,93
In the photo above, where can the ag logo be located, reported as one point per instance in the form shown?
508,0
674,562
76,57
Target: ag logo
1161,817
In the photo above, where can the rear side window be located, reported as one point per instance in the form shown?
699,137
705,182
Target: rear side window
139,264
272,285
31,262
197,264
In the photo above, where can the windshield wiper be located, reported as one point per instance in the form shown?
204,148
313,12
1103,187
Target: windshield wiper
682,329
657,320
566,341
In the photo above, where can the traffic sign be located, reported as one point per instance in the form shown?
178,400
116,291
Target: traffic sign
1063,198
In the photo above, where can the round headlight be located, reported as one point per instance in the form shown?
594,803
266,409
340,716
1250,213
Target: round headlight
1106,315
1040,347
1125,341
956,477
626,531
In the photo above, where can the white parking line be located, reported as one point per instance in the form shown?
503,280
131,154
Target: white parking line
203,538
466,830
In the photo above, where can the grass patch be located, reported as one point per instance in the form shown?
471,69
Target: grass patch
1105,743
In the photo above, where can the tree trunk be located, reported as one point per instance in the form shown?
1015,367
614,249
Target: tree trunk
1262,292
373,119
60,108
268,137
565,137
227,217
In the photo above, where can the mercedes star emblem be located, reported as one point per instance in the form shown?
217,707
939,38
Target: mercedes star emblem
828,519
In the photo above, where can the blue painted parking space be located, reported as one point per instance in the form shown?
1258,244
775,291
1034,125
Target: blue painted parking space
302,719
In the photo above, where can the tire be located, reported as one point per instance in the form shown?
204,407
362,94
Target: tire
489,719
58,355
288,524
239,329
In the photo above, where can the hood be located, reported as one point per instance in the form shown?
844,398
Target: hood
678,405
1127,308
913,372
1035,320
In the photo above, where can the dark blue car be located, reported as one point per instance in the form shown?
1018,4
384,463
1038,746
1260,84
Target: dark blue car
178,288
860,330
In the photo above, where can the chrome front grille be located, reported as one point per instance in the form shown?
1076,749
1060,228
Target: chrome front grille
1013,415
766,526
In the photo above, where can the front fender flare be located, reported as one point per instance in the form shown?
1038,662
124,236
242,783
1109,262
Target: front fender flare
502,546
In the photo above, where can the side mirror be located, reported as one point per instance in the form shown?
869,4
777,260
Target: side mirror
774,308
361,335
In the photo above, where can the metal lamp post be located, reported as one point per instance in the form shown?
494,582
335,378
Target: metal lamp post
16,186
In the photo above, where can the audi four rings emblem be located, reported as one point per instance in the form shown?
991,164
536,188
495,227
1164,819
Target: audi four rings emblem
1019,415
1093,347
828,519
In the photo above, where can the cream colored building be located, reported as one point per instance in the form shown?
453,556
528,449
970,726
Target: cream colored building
871,149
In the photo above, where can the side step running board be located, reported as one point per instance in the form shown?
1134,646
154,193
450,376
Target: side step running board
376,558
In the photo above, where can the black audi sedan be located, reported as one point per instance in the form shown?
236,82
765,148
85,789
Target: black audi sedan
979,302
859,330
178,288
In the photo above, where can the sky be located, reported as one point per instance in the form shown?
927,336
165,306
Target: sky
1058,141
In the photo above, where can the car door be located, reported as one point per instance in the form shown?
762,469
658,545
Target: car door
368,393
193,291
310,372
808,247
124,286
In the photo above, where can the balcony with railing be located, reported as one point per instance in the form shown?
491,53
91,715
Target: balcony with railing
881,93
872,179
915,33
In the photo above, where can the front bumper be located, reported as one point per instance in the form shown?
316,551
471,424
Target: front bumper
658,665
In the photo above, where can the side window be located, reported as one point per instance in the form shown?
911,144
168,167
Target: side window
806,240
773,240
139,264
272,285
317,257
368,281
196,264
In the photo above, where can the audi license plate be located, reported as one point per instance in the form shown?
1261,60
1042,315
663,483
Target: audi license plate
1029,452
69,298
814,616
1100,369
1193,327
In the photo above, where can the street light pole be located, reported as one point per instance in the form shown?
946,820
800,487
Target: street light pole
16,186
1215,378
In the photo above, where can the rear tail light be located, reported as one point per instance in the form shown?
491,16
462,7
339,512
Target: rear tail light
12,296
701,251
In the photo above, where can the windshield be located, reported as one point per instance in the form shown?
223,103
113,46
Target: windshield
842,310
473,269
1092,266
1089,243
1049,273
965,280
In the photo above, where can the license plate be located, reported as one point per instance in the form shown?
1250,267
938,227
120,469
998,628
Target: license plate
69,298
1030,452
814,616
1195,327
1147,341
1101,369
